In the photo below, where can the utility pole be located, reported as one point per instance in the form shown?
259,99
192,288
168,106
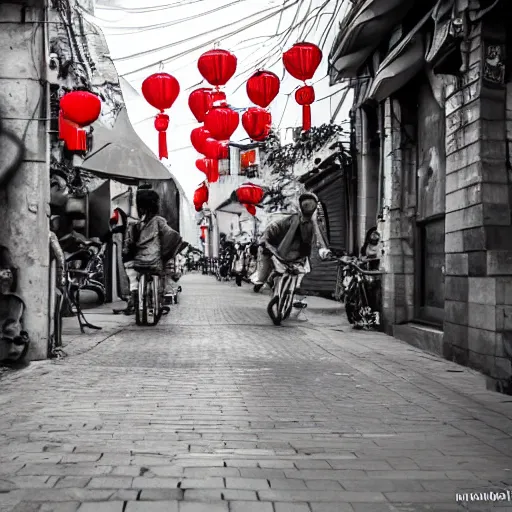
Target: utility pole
24,202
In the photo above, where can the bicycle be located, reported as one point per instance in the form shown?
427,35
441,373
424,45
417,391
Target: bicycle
150,304
352,289
285,279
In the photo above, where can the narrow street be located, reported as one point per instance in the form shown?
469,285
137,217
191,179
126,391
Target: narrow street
216,410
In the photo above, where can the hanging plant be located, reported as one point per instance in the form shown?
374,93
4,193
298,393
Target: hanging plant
282,159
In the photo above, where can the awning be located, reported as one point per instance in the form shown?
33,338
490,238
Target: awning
120,154
230,206
401,65
348,66
363,31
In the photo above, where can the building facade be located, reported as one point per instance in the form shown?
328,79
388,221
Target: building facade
432,120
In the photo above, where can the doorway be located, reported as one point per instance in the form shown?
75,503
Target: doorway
430,204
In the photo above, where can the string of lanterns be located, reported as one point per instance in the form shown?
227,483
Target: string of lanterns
219,122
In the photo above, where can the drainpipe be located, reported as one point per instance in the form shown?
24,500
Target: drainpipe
381,111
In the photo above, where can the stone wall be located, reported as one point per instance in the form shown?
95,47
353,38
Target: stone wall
24,202
478,221
397,260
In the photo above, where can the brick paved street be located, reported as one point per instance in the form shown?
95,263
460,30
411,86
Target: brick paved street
216,410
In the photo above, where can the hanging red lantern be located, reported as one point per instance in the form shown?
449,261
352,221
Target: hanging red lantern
161,91
221,122
217,67
218,150
262,88
305,96
302,61
77,110
250,194
210,167
161,125
257,122
201,196
213,171
204,230
200,101
251,209
198,138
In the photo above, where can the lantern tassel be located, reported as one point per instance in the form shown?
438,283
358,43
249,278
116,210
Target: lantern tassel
162,145
306,118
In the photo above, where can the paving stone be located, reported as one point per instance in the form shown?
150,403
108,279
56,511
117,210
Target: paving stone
333,507
147,506
161,495
72,482
239,495
70,506
110,482
324,485
246,483
292,507
208,483
27,507
155,483
191,506
248,506
208,495
99,506
287,484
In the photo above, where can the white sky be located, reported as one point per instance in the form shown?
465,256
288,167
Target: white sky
183,37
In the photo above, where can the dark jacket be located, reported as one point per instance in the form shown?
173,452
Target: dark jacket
151,244
293,237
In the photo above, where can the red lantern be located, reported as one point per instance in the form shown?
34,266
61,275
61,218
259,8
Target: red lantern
161,91
262,88
77,110
204,230
210,167
221,122
251,209
257,122
250,194
213,171
198,138
201,196
216,149
217,66
305,96
200,101
161,125
302,60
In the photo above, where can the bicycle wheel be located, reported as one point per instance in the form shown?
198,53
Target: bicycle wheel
152,301
352,303
141,302
275,317
288,292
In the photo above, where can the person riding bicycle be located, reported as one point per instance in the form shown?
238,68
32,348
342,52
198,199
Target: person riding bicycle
291,240
149,244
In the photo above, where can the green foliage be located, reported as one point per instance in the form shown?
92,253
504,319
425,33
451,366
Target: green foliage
285,188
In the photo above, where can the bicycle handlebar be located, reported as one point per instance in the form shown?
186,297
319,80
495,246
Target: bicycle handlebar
359,269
